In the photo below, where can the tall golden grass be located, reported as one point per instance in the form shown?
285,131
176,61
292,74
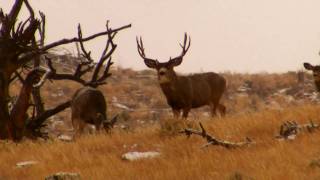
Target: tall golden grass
99,156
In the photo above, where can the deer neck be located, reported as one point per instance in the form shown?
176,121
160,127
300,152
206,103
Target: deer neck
317,83
171,86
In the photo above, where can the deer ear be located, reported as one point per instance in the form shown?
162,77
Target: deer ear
175,62
150,63
308,66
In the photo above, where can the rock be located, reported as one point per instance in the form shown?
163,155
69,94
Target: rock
122,106
134,146
65,138
289,99
64,176
140,121
114,99
283,91
290,137
246,87
26,163
133,156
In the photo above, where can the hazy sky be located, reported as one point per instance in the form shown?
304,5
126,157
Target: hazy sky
227,35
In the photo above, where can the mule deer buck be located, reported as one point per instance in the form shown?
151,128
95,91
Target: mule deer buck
316,73
88,106
186,92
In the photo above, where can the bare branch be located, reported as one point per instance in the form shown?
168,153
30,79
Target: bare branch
86,54
289,129
213,140
42,29
89,63
43,78
106,54
38,121
17,75
31,54
67,41
30,9
63,76
9,21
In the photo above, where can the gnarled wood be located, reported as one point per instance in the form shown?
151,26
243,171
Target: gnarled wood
213,140
19,50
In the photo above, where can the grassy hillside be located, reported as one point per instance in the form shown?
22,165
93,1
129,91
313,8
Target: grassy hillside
257,104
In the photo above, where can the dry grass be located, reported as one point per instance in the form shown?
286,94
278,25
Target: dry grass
99,156
257,115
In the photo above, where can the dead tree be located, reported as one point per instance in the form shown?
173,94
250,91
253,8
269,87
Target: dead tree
18,113
211,140
21,46
289,129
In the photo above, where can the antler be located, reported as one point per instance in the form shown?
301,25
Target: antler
141,50
184,47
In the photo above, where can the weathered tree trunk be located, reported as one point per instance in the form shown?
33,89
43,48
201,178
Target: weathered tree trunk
20,46
5,128
18,114
36,94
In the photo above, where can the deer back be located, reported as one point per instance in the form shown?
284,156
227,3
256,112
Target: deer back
87,104
194,90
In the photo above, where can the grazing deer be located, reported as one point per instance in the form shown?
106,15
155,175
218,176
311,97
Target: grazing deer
316,73
88,106
186,92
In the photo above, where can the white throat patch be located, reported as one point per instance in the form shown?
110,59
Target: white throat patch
163,76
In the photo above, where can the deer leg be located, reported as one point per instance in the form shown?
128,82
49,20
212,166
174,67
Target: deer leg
213,108
176,113
97,124
222,109
185,113
82,125
78,127
75,125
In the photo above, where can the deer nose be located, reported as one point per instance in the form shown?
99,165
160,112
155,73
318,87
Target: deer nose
161,73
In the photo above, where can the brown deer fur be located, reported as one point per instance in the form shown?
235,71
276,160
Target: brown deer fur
88,105
316,73
186,92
